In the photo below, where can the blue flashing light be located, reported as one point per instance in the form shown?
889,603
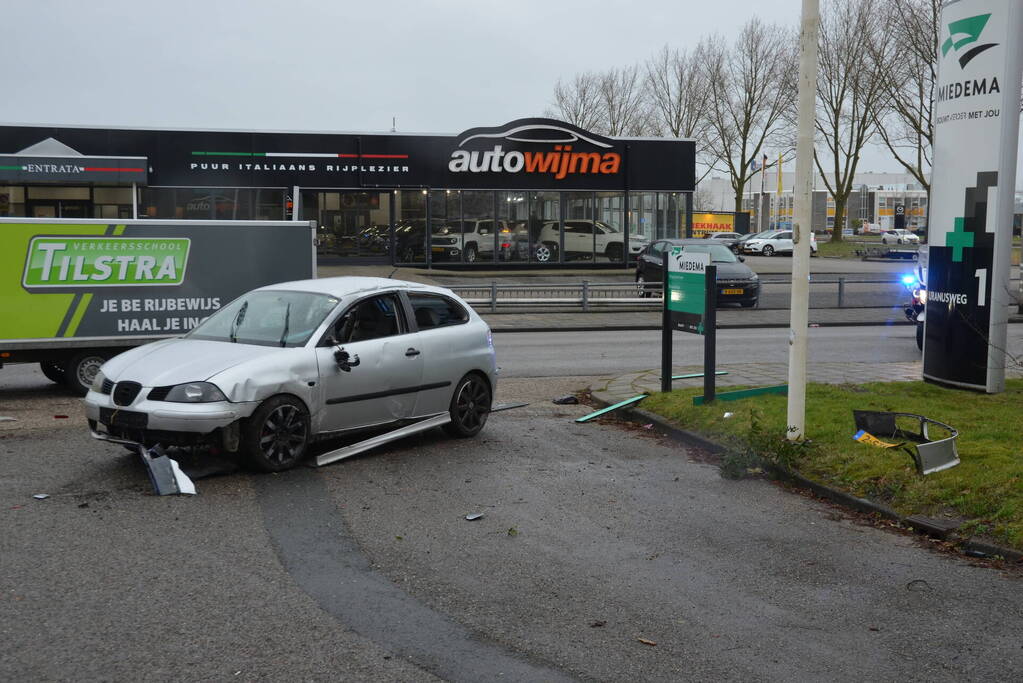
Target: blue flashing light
908,280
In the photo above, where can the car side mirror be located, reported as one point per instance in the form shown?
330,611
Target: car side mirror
346,361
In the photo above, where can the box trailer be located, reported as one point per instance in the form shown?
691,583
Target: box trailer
74,293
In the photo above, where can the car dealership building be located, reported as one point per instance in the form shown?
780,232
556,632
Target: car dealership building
530,192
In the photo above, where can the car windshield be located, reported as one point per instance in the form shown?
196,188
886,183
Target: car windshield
267,318
719,253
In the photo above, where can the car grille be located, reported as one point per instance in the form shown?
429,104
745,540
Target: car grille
158,393
125,392
445,240
108,386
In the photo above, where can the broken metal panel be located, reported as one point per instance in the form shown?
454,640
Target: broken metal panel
497,408
356,448
621,404
167,477
744,393
928,455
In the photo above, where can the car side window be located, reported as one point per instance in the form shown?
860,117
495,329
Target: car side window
434,310
373,318
657,248
578,227
784,236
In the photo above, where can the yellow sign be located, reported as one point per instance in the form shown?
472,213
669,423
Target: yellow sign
706,223
868,438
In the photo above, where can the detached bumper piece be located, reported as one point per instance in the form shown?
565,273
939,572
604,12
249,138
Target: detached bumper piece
164,472
929,454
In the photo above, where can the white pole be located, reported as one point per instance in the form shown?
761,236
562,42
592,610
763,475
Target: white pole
801,225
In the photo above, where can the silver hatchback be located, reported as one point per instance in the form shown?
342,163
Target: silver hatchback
291,363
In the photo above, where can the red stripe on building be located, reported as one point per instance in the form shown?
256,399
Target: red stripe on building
385,156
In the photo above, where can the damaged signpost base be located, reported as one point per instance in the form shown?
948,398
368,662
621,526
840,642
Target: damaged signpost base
929,455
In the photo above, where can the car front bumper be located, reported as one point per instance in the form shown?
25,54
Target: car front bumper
148,421
738,292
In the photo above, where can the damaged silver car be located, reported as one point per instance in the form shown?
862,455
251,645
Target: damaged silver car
285,365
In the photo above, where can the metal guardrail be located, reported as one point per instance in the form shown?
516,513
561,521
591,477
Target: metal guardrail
607,295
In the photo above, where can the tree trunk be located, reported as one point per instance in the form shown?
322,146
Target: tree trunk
836,231
739,191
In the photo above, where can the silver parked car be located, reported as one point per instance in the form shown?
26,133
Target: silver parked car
287,364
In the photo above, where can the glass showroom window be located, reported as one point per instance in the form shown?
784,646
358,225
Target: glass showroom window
478,233
445,227
410,226
513,226
641,215
544,227
577,227
610,213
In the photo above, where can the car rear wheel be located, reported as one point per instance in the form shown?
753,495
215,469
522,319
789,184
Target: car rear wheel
53,370
470,406
641,285
276,436
470,253
614,252
81,369
768,250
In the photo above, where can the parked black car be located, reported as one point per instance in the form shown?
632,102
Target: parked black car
737,283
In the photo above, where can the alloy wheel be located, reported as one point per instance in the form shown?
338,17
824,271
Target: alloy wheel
283,436
472,405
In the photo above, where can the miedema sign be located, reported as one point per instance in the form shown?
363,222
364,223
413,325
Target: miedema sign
63,262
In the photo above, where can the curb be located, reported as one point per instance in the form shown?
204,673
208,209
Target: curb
737,326
968,546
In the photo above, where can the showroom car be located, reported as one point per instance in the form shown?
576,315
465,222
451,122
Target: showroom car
775,242
289,364
899,236
729,239
737,283
585,239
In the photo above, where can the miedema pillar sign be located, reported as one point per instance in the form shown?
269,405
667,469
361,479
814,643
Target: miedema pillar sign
976,117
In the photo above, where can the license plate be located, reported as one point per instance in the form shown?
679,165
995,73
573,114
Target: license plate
732,291
123,418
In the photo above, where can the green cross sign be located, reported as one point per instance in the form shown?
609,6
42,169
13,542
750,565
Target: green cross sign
958,239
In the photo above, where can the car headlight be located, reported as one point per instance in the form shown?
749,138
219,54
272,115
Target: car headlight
195,392
97,383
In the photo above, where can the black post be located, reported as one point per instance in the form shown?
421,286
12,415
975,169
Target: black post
665,327
689,214
710,320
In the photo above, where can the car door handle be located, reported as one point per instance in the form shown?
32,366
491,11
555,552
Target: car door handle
412,352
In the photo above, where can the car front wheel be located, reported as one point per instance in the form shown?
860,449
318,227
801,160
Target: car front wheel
276,437
546,253
768,250
470,406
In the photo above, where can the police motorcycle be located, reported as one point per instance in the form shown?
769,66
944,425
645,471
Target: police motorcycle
915,311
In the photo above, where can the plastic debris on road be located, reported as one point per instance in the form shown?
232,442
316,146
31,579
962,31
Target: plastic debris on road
472,517
8,419
728,415
41,496
566,400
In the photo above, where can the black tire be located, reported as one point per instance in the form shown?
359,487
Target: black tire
546,252
53,370
276,436
470,253
920,336
748,304
614,252
470,406
768,250
81,369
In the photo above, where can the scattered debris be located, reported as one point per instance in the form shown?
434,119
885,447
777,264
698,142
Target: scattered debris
873,628
647,642
566,400
83,505
648,426
929,455
513,531
8,419
41,496
472,517
728,415
60,417
164,473
599,623
918,585
498,407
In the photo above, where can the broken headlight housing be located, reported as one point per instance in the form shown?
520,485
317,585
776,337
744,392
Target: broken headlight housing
195,392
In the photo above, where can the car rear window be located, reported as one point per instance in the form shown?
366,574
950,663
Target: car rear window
434,310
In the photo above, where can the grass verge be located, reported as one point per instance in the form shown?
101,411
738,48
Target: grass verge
986,489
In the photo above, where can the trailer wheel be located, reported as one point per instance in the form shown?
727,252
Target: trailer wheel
53,370
81,369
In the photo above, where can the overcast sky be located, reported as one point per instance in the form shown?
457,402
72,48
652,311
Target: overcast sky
438,66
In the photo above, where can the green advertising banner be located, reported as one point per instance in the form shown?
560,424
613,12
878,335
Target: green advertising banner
93,279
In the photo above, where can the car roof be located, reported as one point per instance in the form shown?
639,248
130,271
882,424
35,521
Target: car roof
348,285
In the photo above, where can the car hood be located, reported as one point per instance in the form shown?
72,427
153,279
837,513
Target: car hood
733,271
175,361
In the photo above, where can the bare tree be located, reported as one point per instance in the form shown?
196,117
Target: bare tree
579,102
622,103
676,89
847,92
749,94
905,52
